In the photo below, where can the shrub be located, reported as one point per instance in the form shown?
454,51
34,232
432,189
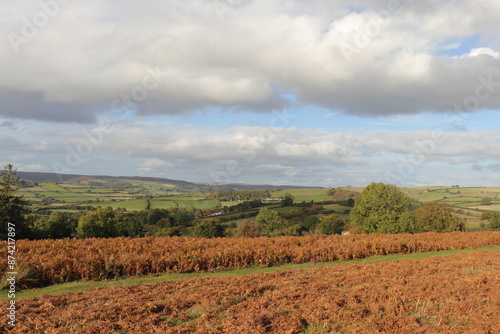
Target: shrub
331,224
247,229
209,228
485,215
485,201
437,217
495,221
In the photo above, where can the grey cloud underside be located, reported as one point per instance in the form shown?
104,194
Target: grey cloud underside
8,125
31,105
445,83
10,143
495,168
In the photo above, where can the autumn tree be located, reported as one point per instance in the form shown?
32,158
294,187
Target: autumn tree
437,217
247,229
485,201
382,208
485,215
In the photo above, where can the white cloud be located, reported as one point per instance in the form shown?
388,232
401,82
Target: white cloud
155,165
253,154
484,51
179,57
94,52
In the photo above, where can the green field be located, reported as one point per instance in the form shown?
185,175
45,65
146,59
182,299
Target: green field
172,202
285,209
52,187
454,196
131,195
183,202
132,205
308,194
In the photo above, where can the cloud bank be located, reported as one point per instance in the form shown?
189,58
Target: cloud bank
68,61
255,154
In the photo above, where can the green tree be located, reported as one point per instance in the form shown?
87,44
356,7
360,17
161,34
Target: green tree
381,208
209,228
310,223
331,224
183,216
155,215
148,203
287,200
12,208
437,217
350,202
9,184
100,223
130,226
58,225
269,221
495,221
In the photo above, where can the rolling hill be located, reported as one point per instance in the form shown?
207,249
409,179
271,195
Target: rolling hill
203,186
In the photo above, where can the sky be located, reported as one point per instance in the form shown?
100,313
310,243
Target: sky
283,92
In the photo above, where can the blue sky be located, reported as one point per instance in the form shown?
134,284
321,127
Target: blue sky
315,93
456,47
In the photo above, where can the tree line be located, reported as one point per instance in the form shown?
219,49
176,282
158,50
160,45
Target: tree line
380,208
383,208
239,195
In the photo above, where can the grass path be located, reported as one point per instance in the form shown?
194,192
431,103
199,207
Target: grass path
88,286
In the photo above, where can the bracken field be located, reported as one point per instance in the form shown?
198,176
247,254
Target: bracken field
47,262
453,294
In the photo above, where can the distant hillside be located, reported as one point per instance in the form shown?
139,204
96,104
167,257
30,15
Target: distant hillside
46,177
54,177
